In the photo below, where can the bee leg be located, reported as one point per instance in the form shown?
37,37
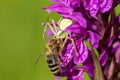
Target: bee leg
60,60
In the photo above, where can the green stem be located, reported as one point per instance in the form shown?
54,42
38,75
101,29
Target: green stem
98,75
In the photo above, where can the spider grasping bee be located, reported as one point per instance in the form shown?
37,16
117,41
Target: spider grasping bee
55,45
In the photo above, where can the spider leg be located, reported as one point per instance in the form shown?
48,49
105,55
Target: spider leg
63,44
49,26
54,25
73,43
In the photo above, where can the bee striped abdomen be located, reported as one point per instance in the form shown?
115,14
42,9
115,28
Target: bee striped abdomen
53,65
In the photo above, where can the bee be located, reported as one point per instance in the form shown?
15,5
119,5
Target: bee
55,45
52,55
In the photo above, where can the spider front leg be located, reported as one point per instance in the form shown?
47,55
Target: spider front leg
50,27
73,43
54,25
61,48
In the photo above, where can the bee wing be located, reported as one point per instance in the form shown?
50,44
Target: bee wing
40,56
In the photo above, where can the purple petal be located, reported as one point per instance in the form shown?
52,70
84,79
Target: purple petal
88,66
76,75
82,52
74,3
77,17
67,54
49,32
103,58
75,28
92,6
58,8
116,50
117,56
105,5
94,39
69,3
67,58
57,77
115,47
89,69
67,12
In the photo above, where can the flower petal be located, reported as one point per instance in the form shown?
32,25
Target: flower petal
74,3
103,58
92,6
67,53
116,51
60,8
49,32
77,17
105,5
75,28
82,52
88,66
76,75
94,39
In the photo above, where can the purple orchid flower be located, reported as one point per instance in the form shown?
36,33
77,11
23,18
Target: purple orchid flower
93,21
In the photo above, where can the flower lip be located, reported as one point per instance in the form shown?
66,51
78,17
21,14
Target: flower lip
105,5
82,52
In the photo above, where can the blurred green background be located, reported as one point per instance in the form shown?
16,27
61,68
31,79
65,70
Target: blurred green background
21,40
